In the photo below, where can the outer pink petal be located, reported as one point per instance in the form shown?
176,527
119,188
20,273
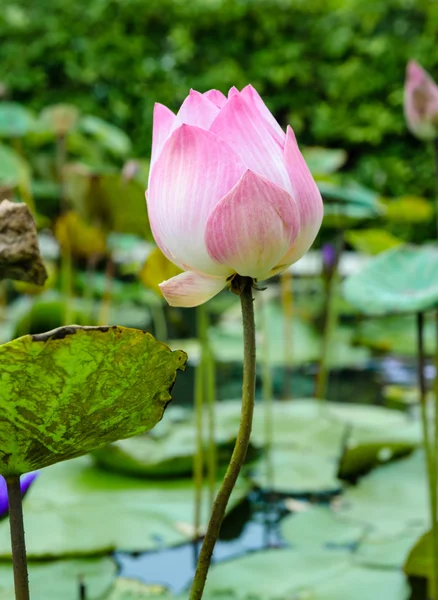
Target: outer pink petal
254,100
194,171
233,92
216,97
252,227
247,133
306,194
163,121
197,110
191,289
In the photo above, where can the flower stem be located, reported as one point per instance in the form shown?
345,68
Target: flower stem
19,560
430,454
198,465
244,287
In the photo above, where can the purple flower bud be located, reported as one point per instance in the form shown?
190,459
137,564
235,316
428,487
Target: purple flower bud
25,482
328,256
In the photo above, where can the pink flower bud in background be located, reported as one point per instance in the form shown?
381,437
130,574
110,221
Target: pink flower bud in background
229,192
421,102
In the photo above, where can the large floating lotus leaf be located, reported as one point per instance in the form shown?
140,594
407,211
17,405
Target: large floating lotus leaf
390,499
109,136
77,509
15,120
169,454
361,458
359,583
59,580
372,241
401,280
298,472
71,390
275,574
318,529
387,551
323,161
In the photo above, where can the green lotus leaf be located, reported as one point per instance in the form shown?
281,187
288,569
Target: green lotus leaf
71,390
15,120
60,579
109,136
372,241
75,509
323,161
401,280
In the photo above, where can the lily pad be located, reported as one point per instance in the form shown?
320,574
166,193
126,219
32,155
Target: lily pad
170,454
359,460
275,574
76,509
387,551
60,579
391,499
401,280
359,583
68,391
319,528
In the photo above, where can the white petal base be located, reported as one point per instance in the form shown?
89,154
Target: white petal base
190,289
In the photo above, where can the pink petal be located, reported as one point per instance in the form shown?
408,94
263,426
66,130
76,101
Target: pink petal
163,120
216,97
252,227
233,92
253,99
248,134
421,102
306,194
191,289
194,171
197,110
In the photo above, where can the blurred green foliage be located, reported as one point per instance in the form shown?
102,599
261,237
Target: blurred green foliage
334,69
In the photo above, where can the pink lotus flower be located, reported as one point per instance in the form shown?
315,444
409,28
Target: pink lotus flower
421,102
229,192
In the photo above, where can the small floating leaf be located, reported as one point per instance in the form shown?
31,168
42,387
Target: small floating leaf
372,241
68,391
15,120
323,161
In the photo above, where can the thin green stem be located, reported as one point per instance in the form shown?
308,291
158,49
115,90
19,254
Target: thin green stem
243,286
19,560
429,450
159,320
